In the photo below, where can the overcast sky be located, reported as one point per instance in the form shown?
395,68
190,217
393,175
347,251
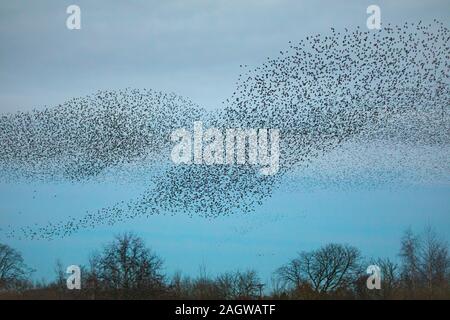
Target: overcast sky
190,47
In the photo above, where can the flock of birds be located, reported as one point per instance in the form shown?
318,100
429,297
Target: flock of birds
390,86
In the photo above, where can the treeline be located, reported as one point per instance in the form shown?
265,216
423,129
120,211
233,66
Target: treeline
126,269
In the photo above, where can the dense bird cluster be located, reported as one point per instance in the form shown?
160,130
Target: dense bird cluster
389,86
84,136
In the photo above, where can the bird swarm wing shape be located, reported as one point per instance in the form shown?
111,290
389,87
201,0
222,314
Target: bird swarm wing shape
390,85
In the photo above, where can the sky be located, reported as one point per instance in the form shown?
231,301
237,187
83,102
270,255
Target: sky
193,48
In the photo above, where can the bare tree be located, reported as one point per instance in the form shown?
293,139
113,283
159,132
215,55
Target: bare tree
248,284
327,269
425,263
410,261
434,260
389,274
278,288
60,275
390,280
180,286
291,274
13,269
127,264
238,285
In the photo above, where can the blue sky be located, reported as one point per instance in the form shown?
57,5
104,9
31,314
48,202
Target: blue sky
193,48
